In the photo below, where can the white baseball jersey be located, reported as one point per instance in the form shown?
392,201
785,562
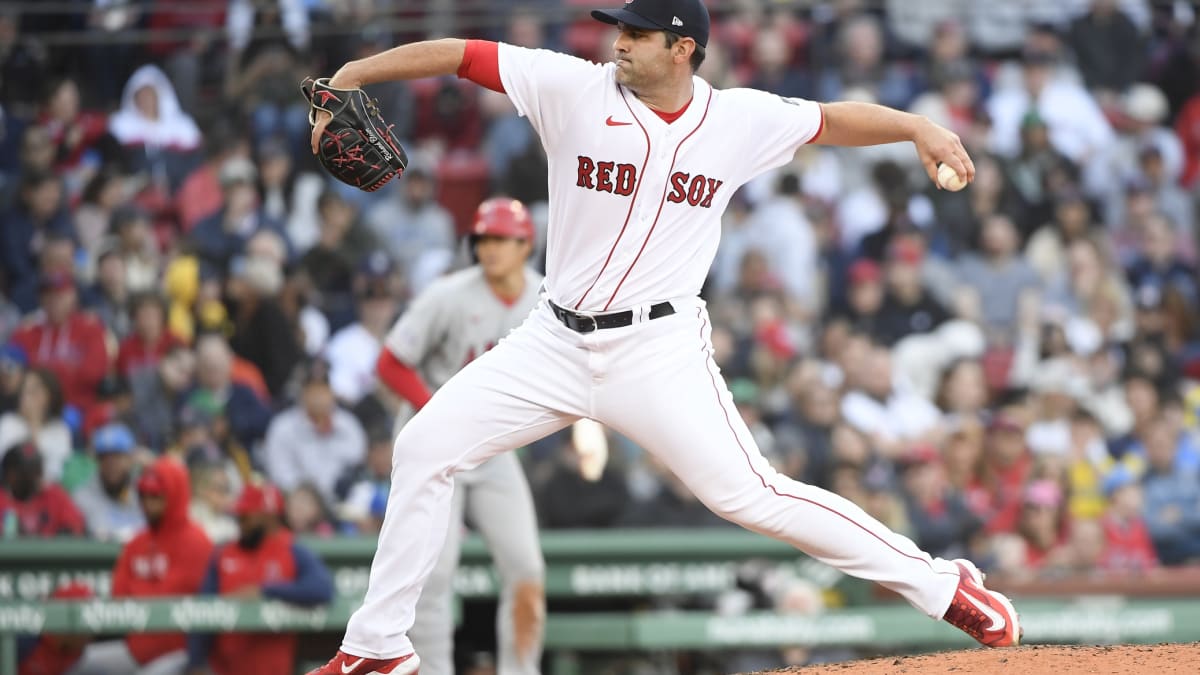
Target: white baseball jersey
454,320
635,202
635,207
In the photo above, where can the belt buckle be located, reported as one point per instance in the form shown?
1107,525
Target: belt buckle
582,327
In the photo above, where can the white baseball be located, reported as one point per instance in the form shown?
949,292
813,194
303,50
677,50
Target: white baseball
949,179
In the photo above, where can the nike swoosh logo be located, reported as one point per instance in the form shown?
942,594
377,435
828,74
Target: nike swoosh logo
348,668
611,123
998,622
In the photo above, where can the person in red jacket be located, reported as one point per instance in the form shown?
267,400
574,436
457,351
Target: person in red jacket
1128,548
167,558
145,346
30,507
53,654
65,340
266,562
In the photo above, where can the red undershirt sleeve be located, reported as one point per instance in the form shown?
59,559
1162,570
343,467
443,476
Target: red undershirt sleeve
481,64
402,379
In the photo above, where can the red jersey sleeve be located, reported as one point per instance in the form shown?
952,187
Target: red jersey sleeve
481,64
402,379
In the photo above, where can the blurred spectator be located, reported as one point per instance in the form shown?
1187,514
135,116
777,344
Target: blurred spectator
39,213
31,505
204,437
773,66
1077,127
1158,265
194,304
1174,204
315,441
1035,174
262,335
267,41
353,351
1128,548
1042,526
102,195
447,115
108,501
158,392
183,33
134,241
307,514
212,501
1108,48
1086,467
567,500
330,263
813,412
672,505
997,279
907,307
1172,496
38,420
962,391
169,557
1091,287
364,488
149,340
861,64
13,364
942,524
996,493
780,230
247,415
23,65
864,299
75,133
515,154
955,99
54,654
289,195
199,197
267,563
884,410
1047,247
156,135
412,225
108,298
69,342
222,236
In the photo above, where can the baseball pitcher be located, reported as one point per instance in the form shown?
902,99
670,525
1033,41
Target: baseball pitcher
643,158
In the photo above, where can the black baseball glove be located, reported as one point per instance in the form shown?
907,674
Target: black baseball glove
357,147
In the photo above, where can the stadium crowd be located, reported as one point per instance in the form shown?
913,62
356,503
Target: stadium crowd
1010,372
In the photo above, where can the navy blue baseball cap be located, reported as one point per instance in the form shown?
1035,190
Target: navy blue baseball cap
688,18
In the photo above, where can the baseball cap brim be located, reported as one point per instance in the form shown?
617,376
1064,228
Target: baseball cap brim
622,15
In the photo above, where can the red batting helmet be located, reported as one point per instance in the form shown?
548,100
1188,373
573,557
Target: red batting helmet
503,217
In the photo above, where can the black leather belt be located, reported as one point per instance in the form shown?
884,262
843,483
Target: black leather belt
586,323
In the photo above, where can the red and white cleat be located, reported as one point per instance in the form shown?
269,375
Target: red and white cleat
985,615
346,664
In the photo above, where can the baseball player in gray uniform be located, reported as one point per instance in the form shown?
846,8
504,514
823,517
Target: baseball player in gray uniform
457,318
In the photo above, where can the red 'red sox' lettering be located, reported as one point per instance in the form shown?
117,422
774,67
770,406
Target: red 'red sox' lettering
611,177
698,190
620,179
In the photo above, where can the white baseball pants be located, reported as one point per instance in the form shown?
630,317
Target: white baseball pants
497,500
655,382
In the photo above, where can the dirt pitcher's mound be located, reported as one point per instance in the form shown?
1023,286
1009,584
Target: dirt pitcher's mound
1035,659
